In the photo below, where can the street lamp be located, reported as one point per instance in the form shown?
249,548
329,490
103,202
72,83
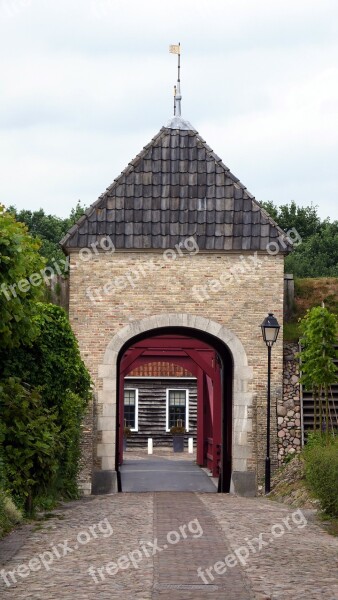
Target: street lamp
270,329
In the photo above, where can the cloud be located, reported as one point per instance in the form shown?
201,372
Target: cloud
85,85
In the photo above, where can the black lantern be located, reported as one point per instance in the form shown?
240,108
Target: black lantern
270,329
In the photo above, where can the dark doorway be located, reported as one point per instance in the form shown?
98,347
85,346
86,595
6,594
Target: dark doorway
210,361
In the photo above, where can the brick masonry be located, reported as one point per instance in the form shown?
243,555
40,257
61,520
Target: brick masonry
116,295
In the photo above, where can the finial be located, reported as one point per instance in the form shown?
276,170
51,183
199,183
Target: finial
176,49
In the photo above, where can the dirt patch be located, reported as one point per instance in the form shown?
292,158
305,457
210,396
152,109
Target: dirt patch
312,292
308,293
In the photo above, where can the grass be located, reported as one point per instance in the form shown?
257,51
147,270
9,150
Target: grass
10,516
291,332
330,524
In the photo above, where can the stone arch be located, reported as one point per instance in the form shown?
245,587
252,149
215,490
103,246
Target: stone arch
243,481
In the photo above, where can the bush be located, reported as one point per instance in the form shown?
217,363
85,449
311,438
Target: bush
73,409
53,366
30,442
321,471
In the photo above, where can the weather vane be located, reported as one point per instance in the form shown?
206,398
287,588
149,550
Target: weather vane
176,49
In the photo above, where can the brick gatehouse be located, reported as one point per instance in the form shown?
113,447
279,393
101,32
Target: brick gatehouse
177,246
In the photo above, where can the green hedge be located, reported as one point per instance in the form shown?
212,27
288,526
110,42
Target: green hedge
31,445
321,472
44,392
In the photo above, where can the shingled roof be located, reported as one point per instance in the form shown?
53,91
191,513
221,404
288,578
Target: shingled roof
175,188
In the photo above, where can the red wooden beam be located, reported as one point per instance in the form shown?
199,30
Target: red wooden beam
129,358
200,418
201,362
120,424
174,342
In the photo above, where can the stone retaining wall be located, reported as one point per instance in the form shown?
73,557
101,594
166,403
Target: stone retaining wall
288,410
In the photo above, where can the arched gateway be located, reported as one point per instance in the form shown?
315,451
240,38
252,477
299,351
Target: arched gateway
105,480
177,242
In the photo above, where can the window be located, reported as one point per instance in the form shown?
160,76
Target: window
131,408
177,408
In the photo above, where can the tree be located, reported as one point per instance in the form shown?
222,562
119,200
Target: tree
319,329
49,229
304,219
316,256
20,270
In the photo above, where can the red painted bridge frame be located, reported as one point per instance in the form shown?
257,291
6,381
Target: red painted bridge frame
203,362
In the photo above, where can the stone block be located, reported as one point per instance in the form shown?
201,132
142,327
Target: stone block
244,398
241,452
108,436
107,371
110,357
239,464
240,411
241,425
244,483
105,450
104,482
108,463
106,423
109,410
106,397
240,438
85,488
109,385
214,328
244,372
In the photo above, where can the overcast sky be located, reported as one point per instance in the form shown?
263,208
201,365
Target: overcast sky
85,84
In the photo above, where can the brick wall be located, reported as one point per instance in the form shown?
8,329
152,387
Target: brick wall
237,291
160,369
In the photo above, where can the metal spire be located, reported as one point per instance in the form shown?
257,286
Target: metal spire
176,122
176,49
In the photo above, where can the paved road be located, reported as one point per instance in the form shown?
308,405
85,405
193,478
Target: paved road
164,475
172,546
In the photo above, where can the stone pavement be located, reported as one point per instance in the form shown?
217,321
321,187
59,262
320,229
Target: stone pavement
156,474
149,546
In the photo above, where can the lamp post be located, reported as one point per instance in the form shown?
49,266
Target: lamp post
270,329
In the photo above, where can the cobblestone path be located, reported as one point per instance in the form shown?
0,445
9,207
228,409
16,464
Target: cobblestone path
175,546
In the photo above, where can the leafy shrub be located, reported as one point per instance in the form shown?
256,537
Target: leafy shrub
321,471
53,365
315,439
30,442
73,409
